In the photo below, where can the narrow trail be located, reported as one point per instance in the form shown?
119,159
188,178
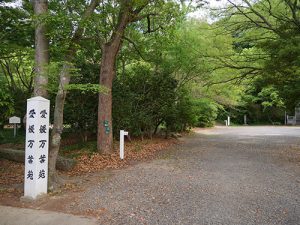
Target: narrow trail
234,176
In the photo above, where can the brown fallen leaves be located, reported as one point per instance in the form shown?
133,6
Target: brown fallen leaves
136,150
11,172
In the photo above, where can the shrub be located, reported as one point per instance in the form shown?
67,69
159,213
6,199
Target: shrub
207,112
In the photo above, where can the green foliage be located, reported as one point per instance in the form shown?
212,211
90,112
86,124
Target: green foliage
269,97
6,106
265,61
184,115
85,88
16,85
207,111
81,104
7,136
266,35
16,60
173,73
142,99
146,98
15,23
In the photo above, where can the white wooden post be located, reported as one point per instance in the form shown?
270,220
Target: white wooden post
36,147
285,118
226,123
245,119
122,133
15,120
228,120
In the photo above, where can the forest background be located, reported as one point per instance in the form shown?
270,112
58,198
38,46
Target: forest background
169,71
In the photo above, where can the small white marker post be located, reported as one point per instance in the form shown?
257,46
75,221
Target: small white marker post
285,118
15,120
122,134
36,147
245,119
226,123
228,120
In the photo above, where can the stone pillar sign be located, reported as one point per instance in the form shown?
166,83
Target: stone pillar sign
36,147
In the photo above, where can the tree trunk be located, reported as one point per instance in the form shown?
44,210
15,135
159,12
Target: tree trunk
64,79
110,51
55,138
107,73
41,51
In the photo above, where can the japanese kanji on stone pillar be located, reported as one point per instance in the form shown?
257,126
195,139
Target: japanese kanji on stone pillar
36,147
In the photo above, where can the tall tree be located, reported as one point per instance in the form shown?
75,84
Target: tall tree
64,79
107,72
41,49
129,12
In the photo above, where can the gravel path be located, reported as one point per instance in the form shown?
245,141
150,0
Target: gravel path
234,176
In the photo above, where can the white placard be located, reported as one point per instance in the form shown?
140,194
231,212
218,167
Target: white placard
14,119
36,147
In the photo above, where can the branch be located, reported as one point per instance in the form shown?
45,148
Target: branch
238,78
87,13
20,76
294,9
259,15
257,23
143,16
227,65
135,47
149,30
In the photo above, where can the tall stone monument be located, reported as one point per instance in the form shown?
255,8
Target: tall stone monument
36,147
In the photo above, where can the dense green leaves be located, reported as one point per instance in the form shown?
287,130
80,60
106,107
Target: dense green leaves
172,72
